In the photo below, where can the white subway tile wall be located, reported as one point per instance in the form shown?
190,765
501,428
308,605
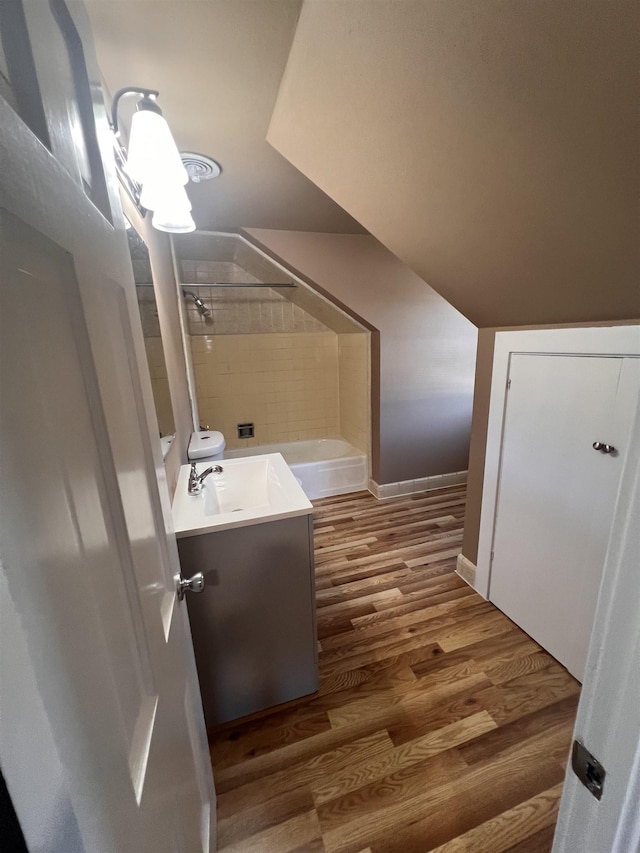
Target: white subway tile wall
259,358
284,383
160,385
354,385
148,311
240,310
245,310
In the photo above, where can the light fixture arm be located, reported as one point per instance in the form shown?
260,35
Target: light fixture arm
150,167
147,96
121,158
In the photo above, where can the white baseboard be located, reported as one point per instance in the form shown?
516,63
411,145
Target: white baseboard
466,569
410,487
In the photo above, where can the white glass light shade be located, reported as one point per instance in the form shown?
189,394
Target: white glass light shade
168,195
176,222
171,208
152,151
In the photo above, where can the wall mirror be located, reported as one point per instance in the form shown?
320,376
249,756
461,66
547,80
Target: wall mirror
152,338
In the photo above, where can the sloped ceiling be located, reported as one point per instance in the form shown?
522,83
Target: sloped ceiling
493,146
218,65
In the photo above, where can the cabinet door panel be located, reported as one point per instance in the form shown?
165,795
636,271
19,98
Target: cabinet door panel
253,627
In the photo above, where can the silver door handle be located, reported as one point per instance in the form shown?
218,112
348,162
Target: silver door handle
194,584
604,448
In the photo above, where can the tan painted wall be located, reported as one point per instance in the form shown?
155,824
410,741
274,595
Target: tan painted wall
493,146
477,448
217,65
427,348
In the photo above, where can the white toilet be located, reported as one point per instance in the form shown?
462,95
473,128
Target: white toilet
205,445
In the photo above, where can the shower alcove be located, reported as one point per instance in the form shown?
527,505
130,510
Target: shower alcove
275,354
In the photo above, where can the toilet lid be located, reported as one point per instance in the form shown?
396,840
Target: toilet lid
205,443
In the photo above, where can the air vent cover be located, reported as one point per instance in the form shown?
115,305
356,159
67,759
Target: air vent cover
199,168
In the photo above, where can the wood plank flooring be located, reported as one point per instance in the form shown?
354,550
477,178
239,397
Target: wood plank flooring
438,726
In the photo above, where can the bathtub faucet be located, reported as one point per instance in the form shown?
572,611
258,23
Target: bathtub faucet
196,480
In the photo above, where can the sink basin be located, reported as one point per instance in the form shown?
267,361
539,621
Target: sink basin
250,485
250,490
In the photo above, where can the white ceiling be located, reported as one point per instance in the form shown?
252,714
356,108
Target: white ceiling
218,65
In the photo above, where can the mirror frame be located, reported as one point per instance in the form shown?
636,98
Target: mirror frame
143,278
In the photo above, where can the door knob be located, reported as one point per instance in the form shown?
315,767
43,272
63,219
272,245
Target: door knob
602,447
194,584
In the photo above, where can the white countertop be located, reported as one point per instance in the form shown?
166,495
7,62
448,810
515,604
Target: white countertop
250,490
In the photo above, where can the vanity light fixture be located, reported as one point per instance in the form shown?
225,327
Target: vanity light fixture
151,168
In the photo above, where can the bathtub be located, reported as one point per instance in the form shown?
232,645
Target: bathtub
324,466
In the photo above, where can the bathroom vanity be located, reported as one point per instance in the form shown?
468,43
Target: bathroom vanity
250,532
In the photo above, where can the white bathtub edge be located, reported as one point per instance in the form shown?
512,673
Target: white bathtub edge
319,477
332,477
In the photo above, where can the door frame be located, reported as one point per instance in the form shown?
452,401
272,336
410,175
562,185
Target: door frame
44,190
605,341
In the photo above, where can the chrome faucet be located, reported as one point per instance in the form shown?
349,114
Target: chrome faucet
196,480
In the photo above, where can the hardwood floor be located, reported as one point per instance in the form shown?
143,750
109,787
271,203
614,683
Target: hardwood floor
438,726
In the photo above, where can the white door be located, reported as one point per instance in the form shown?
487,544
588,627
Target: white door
103,683
608,720
557,494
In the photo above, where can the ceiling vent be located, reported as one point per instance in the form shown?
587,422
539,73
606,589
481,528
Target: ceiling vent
199,168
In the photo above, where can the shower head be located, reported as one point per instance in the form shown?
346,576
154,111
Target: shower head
202,308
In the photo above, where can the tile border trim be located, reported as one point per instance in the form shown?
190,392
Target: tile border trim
410,487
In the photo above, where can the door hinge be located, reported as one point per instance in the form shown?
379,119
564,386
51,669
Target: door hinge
508,384
588,769
492,553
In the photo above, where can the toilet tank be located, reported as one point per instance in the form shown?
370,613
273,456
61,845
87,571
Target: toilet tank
205,444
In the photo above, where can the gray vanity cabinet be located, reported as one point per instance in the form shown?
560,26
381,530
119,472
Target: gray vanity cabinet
254,625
